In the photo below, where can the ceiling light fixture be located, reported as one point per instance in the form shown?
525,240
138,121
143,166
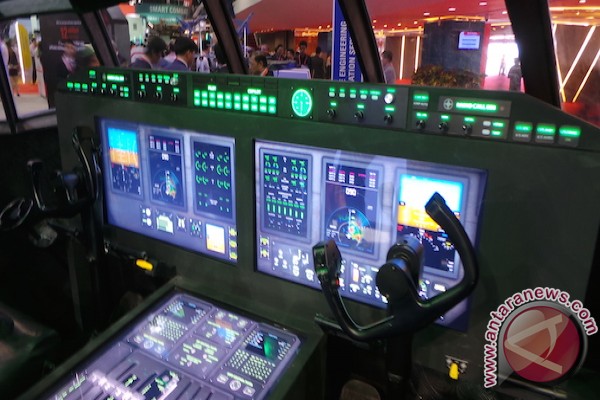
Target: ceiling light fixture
452,9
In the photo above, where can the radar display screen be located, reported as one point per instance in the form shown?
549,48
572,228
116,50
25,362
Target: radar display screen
164,154
352,206
285,193
124,158
213,179
171,184
415,191
365,203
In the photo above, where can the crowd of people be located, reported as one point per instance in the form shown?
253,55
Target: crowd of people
183,54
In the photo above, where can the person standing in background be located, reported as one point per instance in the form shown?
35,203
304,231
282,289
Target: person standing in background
514,76
389,73
13,69
33,51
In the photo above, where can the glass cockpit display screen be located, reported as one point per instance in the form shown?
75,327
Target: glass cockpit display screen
171,184
184,347
365,203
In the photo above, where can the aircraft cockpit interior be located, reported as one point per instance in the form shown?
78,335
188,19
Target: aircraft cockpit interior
228,236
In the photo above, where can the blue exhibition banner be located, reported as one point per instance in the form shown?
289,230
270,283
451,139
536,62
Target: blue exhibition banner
345,66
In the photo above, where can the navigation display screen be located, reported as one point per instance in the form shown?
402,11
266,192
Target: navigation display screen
365,203
184,348
171,184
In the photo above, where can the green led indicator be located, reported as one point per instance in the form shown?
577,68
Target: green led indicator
546,129
237,106
159,89
496,133
220,104
422,115
205,94
85,86
228,96
212,88
237,97
333,103
253,99
167,78
212,95
421,97
375,92
114,86
360,106
228,105
92,74
212,104
391,90
570,131
272,100
254,108
77,86
523,127
255,91
445,117
475,106
196,102
263,100
263,109
390,108
302,102
246,107
498,124
204,103
469,120
94,84
272,110
196,93
143,87
220,95
70,85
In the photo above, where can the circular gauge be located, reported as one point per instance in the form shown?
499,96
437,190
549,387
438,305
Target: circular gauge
302,103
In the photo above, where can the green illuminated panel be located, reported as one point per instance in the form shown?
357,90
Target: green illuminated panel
546,129
421,97
360,106
422,115
570,131
524,127
92,74
445,117
212,88
476,106
70,85
498,124
254,91
333,104
469,120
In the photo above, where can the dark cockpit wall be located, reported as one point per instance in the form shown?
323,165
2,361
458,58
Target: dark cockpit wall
511,256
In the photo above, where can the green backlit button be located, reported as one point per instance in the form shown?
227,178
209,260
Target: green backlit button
263,109
272,110
522,131
197,102
545,133
228,96
204,103
569,135
254,108
228,105
212,104
272,100
302,103
246,107
237,106
70,85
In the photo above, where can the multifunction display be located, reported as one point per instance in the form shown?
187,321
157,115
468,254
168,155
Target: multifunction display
365,203
171,184
185,348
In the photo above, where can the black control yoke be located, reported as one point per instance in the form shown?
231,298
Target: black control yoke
397,280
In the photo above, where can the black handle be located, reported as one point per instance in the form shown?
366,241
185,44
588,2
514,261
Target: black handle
408,311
